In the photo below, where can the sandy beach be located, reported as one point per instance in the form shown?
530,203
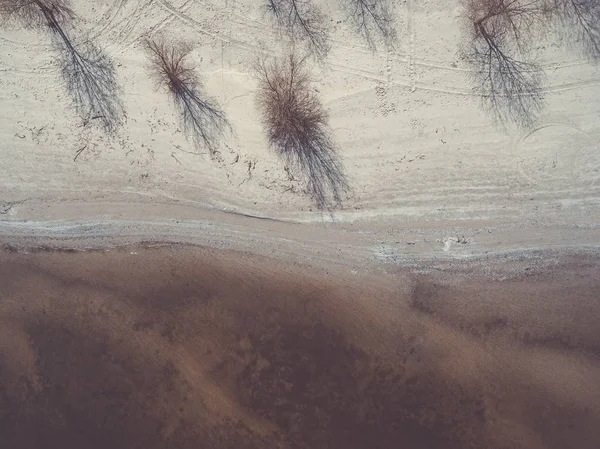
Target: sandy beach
171,283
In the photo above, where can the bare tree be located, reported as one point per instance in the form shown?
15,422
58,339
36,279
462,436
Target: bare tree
371,18
580,20
203,121
87,71
304,22
297,128
506,74
34,14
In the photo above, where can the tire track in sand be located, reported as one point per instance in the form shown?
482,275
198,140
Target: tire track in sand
410,29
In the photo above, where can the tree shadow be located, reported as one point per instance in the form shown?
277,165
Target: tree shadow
90,78
579,21
86,70
304,22
506,75
372,20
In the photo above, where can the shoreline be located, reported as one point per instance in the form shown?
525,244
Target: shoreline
325,246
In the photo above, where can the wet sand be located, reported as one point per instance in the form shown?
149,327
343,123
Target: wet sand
184,347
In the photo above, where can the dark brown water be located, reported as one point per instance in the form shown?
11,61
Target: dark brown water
189,348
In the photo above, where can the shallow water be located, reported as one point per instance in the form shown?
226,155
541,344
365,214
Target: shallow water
183,347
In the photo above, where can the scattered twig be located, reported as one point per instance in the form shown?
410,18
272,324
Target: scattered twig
79,152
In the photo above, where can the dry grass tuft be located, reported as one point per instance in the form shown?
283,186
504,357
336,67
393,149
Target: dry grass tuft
297,128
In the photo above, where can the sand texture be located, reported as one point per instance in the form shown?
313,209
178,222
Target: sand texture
419,152
169,283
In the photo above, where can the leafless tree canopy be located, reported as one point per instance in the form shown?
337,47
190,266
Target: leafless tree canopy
506,74
203,121
36,14
297,129
304,22
87,71
371,18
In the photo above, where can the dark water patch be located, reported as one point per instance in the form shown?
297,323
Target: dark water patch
328,393
178,348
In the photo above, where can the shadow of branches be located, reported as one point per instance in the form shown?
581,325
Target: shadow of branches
89,76
505,72
203,121
303,22
372,19
297,128
579,20
87,71
501,37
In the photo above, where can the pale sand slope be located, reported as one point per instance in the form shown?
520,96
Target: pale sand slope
428,168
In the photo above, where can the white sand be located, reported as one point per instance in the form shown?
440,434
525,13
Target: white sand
431,173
